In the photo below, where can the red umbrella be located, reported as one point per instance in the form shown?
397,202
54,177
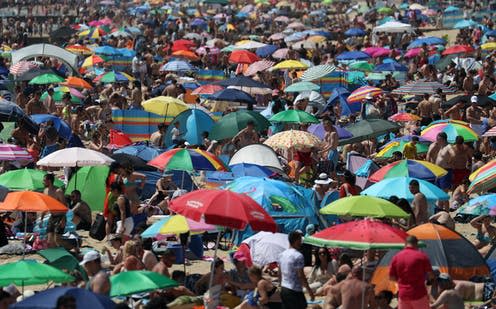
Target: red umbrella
243,56
182,45
458,49
224,208
362,235
207,89
118,139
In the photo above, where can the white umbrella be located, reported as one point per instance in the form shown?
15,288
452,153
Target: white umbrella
250,45
258,154
75,157
311,96
393,27
265,247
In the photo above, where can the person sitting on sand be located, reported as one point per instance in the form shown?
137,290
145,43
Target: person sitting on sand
265,294
486,233
449,297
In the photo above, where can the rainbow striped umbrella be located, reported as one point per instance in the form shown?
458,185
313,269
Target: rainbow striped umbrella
292,139
399,145
92,60
484,178
420,87
409,168
79,49
488,167
452,130
360,94
188,160
113,77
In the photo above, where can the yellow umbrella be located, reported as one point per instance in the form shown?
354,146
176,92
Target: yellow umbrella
489,46
295,139
317,39
165,106
290,64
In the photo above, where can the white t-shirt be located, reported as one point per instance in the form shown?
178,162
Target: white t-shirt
290,261
175,133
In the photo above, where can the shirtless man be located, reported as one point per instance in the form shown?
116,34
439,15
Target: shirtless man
49,102
330,148
440,153
449,297
474,116
56,222
419,203
34,105
461,161
424,109
473,291
349,293
247,136
168,259
455,112
468,83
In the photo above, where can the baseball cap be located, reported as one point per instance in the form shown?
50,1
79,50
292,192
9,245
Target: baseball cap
474,99
89,257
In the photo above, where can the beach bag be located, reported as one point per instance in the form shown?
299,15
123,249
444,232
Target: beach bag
97,230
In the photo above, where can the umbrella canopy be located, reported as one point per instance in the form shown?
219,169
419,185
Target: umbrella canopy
245,84
165,106
223,208
319,131
48,299
362,66
458,49
480,206
188,160
353,55
60,258
466,23
359,235
31,272
63,129
390,67
410,168
364,206
258,154
368,128
75,157
175,225
207,89
233,95
58,96
248,169
355,32
394,146
79,49
177,66
91,182
265,247
293,139
230,125
192,124
483,181
486,169
48,78
317,72
294,116
421,87
118,139
138,281
26,179
92,60
302,86
290,65
399,186
430,40
10,152
29,201
77,82
141,151
243,56
452,130
132,161
258,66
22,67
404,117
361,93
187,54
114,77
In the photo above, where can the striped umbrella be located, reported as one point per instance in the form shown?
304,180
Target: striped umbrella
177,66
488,167
484,178
113,77
452,130
490,133
317,72
481,205
422,87
91,61
302,86
258,66
295,139
22,67
360,94
79,49
410,168
280,53
9,152
394,146
188,160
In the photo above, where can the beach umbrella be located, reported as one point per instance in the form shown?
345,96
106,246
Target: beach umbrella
452,130
207,89
47,78
410,168
266,50
72,91
289,65
47,299
490,133
364,206
352,55
302,86
294,116
243,56
430,40
192,124
75,157
91,61
233,95
165,106
178,66
317,72
230,125
368,128
249,44
484,178
10,152
120,34
421,87
258,66
390,67
359,235
462,24
76,82
141,151
175,225
488,46
394,146
63,129
480,206
58,96
266,247
385,10
489,167
79,49
458,49
318,130
138,281
31,272
245,84
399,186
295,139
22,67
355,32
362,66
404,117
188,160
118,139
11,112
258,154
248,169
129,160
29,201
113,77
187,54
361,93
313,97
91,182
26,179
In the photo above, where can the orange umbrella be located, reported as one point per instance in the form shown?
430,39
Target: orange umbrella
187,54
76,82
29,201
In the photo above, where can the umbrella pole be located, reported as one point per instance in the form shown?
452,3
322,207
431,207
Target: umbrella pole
212,267
24,236
363,279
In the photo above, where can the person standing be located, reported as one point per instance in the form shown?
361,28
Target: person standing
419,203
330,149
291,263
410,268
410,149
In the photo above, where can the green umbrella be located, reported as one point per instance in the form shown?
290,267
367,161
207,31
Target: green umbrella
364,206
228,48
59,95
91,183
302,86
385,10
229,125
26,179
368,128
47,78
138,281
294,116
31,272
362,66
63,260
376,76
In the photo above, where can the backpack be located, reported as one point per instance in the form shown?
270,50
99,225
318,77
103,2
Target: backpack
97,230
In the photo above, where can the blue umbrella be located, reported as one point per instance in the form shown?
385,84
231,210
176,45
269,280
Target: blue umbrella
106,50
62,127
352,55
192,123
141,151
466,23
298,36
242,15
390,67
318,130
248,169
339,96
178,66
48,299
242,81
198,22
451,9
75,141
491,33
233,95
399,186
355,32
481,205
408,138
323,33
266,50
431,40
